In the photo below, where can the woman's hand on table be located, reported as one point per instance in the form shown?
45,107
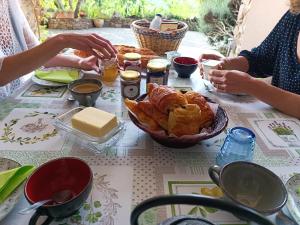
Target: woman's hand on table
204,57
226,63
230,81
91,43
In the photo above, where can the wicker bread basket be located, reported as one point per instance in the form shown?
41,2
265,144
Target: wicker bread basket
159,42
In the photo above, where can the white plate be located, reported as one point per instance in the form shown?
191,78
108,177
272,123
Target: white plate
13,199
46,83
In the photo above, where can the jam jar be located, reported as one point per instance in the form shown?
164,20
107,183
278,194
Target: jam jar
156,73
132,61
130,84
164,61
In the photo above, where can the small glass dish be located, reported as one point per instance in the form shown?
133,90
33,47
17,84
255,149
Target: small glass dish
63,123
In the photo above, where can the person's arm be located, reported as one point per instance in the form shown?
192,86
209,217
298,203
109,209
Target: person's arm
232,81
17,65
285,101
262,58
64,60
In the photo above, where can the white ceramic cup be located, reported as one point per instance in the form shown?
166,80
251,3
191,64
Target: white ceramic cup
209,65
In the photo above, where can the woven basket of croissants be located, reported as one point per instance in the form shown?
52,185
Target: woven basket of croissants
175,119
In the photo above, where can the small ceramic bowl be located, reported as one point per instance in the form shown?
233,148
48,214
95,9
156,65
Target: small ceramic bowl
84,98
251,185
185,66
67,173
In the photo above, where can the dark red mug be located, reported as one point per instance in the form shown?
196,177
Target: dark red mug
66,173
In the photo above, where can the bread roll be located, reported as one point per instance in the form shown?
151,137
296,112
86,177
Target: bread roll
207,115
150,110
184,120
165,98
141,116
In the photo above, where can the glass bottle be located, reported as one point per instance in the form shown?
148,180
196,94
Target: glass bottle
156,22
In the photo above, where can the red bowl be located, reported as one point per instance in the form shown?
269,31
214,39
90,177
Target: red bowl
219,124
60,174
185,66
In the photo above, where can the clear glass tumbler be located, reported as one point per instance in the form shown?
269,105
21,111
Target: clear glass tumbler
238,146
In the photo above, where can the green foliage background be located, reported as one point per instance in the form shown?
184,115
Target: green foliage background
143,8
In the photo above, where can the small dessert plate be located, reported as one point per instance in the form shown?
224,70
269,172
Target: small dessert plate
13,199
293,202
63,123
46,83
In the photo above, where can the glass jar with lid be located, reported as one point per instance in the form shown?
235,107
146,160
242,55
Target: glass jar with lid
132,61
156,73
130,84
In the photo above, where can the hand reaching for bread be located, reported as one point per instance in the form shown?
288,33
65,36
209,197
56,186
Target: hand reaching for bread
176,113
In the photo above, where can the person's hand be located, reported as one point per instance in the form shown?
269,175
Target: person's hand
230,81
91,43
89,63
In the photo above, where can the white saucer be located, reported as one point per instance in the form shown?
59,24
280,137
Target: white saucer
46,83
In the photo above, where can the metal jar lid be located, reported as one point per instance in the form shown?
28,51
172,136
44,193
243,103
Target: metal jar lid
161,60
132,56
155,66
130,75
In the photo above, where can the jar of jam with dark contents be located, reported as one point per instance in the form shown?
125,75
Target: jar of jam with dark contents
132,61
156,73
130,84
164,61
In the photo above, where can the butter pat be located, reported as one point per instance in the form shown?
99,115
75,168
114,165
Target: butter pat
94,122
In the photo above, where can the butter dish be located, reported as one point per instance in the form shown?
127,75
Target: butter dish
63,123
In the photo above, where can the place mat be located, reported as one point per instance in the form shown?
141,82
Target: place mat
31,130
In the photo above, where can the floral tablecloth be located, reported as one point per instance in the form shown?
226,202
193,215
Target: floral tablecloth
137,167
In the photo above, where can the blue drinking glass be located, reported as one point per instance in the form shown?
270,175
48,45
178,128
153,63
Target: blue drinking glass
238,146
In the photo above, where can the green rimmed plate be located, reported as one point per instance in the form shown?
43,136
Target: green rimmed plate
13,199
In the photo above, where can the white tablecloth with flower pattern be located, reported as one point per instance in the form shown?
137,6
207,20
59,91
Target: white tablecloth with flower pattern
137,168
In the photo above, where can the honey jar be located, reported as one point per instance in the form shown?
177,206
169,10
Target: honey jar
156,73
109,70
130,84
132,61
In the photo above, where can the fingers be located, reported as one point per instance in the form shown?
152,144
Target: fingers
217,73
107,41
209,56
103,43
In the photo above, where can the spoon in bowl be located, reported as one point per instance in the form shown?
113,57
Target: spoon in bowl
57,197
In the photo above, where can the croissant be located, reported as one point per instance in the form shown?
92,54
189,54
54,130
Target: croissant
150,110
165,98
141,116
184,120
207,115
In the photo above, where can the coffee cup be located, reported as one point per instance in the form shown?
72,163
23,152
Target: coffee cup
85,91
67,173
250,185
209,65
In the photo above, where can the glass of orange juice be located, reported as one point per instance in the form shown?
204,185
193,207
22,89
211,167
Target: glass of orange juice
110,70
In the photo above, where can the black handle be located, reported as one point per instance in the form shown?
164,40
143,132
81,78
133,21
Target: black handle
239,210
36,216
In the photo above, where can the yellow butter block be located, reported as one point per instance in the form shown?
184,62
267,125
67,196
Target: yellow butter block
94,122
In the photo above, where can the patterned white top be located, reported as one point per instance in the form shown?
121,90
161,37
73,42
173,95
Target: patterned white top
15,36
